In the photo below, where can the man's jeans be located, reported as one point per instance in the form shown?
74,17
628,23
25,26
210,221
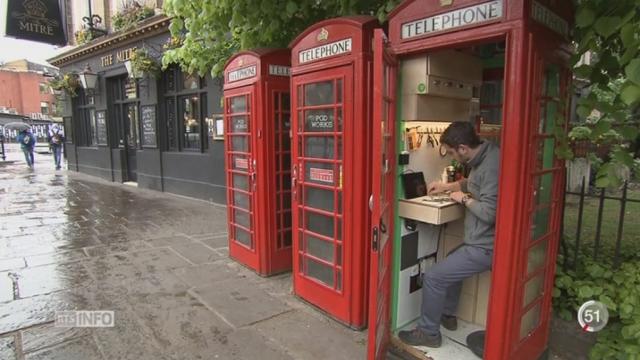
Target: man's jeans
442,284
57,151
28,155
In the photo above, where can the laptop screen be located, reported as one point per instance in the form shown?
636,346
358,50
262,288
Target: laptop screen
414,185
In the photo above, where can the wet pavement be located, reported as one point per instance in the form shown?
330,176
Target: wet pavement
159,261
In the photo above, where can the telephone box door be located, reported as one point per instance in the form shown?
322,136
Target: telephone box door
541,233
382,198
241,174
278,131
319,156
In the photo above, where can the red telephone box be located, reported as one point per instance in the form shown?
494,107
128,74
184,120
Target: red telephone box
258,159
536,81
331,129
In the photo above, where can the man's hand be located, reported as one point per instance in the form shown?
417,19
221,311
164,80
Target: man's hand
457,196
436,187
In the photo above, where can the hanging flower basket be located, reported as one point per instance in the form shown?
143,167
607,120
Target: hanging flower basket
130,15
143,64
66,84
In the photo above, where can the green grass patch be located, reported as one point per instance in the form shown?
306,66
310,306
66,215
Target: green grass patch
610,220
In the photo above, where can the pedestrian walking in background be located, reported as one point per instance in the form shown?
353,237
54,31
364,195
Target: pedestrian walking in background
27,142
56,139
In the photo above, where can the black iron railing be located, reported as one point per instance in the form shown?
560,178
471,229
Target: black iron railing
574,241
4,156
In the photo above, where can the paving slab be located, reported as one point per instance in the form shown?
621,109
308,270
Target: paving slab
47,335
12,264
101,250
216,242
182,326
6,287
206,274
197,253
240,302
162,241
128,340
250,344
35,310
62,257
8,348
50,278
157,259
84,348
306,336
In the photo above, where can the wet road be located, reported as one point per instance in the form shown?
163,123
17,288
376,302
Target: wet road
73,242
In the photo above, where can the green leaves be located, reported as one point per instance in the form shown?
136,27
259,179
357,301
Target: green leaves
583,71
580,133
607,25
585,17
633,71
618,289
213,30
610,33
585,292
627,34
630,94
292,7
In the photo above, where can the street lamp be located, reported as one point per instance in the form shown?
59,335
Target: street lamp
88,78
131,71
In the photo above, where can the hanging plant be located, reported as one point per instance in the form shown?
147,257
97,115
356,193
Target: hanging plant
143,63
173,42
68,83
83,36
131,14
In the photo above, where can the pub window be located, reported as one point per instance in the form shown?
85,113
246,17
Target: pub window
87,130
44,108
185,103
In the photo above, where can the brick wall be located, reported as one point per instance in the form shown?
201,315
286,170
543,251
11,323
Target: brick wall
21,90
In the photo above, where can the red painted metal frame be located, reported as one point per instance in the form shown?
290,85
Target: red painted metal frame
266,257
349,306
383,196
526,43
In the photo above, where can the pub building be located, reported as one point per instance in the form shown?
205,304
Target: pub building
156,132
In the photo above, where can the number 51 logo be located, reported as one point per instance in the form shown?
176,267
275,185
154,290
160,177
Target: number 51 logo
593,316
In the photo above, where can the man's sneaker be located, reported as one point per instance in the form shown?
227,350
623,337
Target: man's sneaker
417,337
449,322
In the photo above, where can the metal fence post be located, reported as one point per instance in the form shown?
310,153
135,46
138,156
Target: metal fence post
623,205
596,246
579,224
4,156
563,240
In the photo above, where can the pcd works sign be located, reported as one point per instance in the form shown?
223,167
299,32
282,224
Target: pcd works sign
35,20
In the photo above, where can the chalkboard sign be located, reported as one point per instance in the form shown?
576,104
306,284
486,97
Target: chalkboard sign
101,127
149,126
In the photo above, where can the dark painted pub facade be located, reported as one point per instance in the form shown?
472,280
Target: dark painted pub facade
157,132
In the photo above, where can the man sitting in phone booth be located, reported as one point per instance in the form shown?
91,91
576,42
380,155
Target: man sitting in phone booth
478,194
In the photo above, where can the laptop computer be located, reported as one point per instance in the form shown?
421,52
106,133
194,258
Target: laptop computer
414,185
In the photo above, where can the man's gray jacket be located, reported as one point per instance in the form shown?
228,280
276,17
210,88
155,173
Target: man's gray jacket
482,184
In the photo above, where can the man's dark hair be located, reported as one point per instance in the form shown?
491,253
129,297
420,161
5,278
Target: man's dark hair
460,133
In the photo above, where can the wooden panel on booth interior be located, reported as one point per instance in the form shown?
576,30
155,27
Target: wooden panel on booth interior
482,301
466,307
470,286
433,108
455,228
